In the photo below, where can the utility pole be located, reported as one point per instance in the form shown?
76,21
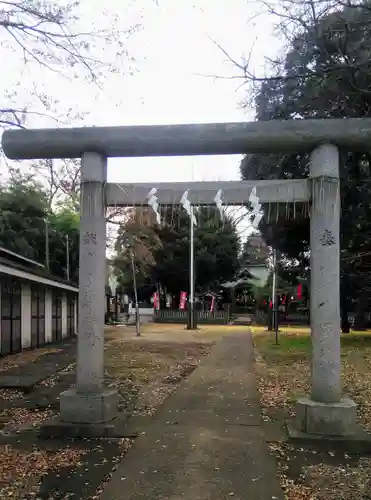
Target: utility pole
137,321
274,295
192,324
47,262
68,258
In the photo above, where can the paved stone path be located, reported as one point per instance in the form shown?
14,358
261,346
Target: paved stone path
207,442
26,376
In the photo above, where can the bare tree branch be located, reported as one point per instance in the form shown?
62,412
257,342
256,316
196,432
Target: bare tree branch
46,33
306,15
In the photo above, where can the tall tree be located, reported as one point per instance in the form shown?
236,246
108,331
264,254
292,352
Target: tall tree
137,242
26,219
326,73
254,251
24,210
216,250
64,230
162,252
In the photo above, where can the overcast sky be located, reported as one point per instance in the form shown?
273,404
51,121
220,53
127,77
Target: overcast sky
173,54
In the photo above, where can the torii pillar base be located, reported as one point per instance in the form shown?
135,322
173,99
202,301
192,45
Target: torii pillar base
85,408
328,426
84,415
331,419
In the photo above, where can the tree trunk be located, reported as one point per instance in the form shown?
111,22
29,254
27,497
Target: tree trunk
345,327
360,319
116,308
108,309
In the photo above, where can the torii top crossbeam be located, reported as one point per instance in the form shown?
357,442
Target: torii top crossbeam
184,140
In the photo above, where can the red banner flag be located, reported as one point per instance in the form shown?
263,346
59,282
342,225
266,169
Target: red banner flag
183,300
156,301
212,308
300,291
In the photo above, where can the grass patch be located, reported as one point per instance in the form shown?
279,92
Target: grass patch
294,343
287,343
356,339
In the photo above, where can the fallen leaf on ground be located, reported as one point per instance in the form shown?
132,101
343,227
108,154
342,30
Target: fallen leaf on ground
304,475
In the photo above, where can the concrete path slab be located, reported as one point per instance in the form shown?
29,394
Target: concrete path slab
207,442
26,376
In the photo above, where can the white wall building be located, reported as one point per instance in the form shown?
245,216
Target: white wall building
35,307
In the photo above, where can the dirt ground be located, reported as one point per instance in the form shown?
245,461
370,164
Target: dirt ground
283,375
145,370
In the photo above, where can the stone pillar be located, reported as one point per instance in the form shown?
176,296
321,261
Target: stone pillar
326,412
90,403
325,274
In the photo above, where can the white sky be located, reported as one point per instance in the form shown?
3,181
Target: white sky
169,89
171,51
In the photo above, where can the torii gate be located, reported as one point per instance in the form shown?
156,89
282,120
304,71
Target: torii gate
326,411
